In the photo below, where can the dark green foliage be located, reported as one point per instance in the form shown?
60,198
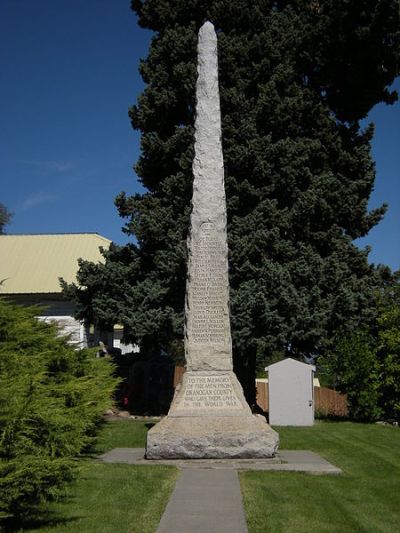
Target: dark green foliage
5,217
366,364
356,370
388,341
51,401
296,77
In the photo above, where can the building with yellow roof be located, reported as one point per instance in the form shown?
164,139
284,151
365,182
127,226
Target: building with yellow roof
33,264
30,268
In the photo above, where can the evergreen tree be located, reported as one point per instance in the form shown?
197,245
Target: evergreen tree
5,217
355,370
296,77
365,364
388,348
52,398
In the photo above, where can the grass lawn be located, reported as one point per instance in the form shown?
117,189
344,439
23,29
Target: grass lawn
110,498
125,498
122,434
366,498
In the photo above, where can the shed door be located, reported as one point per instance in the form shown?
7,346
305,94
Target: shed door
310,409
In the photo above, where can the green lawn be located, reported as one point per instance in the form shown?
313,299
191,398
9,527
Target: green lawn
124,498
122,434
113,498
366,498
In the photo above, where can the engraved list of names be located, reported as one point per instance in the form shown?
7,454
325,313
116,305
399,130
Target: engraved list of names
208,289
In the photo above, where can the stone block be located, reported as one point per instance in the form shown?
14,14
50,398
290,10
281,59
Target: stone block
212,438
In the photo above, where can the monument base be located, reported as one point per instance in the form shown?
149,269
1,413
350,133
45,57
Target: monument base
244,437
210,419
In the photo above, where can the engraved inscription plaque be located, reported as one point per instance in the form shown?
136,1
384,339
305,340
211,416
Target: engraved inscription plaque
208,322
209,392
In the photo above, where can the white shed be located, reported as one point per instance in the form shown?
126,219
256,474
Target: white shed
291,393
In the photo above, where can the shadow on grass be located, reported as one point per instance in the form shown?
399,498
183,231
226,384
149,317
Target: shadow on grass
332,418
37,520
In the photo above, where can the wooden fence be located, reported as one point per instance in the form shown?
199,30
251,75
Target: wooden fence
328,402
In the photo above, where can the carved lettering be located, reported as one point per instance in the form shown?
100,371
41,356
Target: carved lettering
204,392
208,293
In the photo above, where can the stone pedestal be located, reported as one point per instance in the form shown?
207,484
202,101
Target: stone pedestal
209,416
210,419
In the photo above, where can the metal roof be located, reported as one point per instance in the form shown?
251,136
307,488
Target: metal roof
289,361
32,264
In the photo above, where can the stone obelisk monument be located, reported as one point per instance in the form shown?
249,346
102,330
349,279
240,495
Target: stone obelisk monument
209,416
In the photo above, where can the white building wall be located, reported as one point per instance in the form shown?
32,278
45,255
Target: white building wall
69,326
56,309
291,393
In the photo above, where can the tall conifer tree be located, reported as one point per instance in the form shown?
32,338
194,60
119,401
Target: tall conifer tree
296,77
5,217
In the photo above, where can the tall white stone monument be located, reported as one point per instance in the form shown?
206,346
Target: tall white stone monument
209,416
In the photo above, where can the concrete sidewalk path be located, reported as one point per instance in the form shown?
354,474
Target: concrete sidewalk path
287,460
207,496
205,500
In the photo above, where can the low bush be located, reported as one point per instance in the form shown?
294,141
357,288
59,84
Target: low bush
51,401
354,366
388,341
366,363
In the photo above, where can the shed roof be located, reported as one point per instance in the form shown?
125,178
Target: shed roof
291,362
32,264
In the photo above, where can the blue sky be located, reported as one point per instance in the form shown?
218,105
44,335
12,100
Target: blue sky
68,74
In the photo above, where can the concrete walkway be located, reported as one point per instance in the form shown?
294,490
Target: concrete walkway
207,497
287,460
205,500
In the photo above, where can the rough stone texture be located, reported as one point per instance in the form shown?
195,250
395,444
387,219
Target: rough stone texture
289,460
208,342
211,438
213,394
209,417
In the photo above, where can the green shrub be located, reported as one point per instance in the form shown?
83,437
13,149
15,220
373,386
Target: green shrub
355,369
51,401
388,331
